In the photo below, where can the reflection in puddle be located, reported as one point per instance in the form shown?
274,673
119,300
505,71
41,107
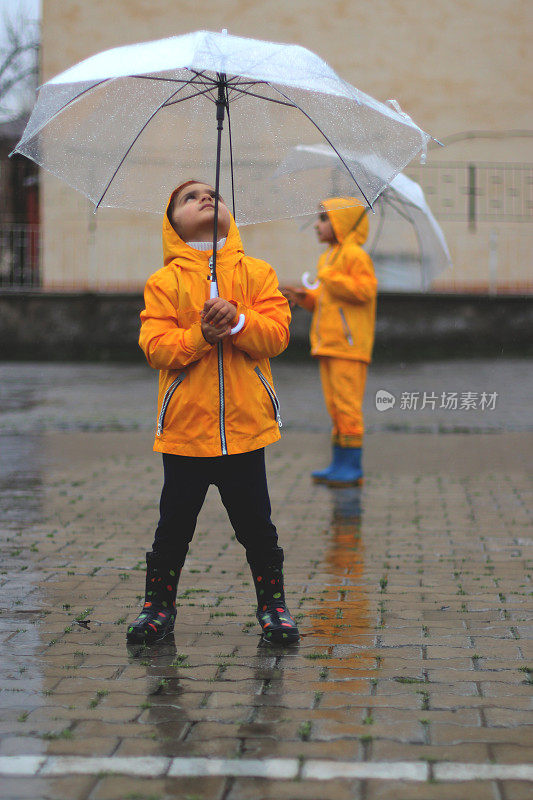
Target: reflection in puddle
20,481
20,393
173,707
263,720
340,621
164,692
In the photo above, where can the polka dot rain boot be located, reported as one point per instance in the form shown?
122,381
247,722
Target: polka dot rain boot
272,613
158,614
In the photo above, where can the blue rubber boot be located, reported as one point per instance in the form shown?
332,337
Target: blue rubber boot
347,471
322,475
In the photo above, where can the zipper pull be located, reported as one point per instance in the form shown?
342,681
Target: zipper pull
159,430
279,420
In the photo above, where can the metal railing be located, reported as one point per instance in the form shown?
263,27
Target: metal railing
477,192
20,256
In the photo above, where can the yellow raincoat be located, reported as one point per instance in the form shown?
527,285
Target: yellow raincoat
344,304
344,312
213,400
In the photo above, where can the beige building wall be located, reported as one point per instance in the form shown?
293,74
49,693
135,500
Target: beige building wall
456,66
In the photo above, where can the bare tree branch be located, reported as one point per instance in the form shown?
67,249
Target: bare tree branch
18,61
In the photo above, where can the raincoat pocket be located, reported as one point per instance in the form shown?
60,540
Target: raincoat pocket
166,400
346,329
272,394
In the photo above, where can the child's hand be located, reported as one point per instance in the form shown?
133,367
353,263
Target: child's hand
218,312
213,334
294,294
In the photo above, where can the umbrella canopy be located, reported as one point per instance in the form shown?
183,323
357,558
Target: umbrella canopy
127,125
408,246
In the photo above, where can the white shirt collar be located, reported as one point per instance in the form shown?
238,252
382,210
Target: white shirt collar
203,246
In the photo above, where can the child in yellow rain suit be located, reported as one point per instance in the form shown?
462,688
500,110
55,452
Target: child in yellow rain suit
342,330
217,408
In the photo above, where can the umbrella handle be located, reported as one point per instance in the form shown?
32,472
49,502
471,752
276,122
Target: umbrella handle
213,292
307,283
239,326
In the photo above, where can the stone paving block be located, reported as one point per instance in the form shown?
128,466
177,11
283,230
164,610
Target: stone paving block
345,700
502,689
95,746
28,789
344,750
252,789
120,787
473,790
468,752
78,786
18,745
447,734
452,702
507,718
325,730
516,790
511,753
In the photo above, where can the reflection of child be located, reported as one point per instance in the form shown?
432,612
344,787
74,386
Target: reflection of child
342,330
217,407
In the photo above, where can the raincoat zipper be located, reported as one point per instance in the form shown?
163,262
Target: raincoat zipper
222,404
347,331
272,395
221,398
166,400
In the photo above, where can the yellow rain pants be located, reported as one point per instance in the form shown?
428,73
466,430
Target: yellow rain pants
343,384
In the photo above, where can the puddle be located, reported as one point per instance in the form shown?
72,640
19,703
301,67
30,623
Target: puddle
340,621
21,505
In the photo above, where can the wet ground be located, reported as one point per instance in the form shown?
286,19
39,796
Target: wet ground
414,675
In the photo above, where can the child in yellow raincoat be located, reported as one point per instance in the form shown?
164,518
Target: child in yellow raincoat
217,408
342,330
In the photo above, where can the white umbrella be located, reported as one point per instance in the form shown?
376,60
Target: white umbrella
408,248
126,125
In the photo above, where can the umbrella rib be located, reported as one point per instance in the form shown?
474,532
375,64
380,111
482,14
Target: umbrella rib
150,118
204,78
328,140
168,102
236,88
168,80
237,81
202,74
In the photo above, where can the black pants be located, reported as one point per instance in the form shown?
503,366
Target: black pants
241,481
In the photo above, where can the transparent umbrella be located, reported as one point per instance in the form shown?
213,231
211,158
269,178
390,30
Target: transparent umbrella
407,246
127,124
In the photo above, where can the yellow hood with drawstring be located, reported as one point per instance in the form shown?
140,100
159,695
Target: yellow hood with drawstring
344,304
213,400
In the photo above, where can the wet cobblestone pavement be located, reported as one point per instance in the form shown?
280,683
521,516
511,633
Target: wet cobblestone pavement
413,678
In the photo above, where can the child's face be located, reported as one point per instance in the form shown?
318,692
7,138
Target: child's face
193,213
324,229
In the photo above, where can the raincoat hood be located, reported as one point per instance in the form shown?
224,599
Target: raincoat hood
347,222
174,248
